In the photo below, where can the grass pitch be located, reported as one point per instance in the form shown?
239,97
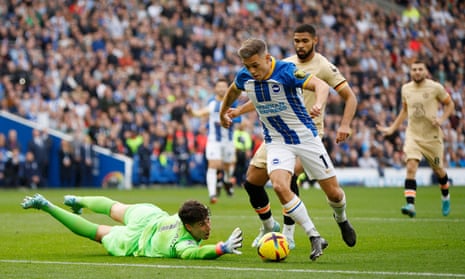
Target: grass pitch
389,245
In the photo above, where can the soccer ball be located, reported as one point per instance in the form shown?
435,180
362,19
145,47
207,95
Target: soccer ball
273,246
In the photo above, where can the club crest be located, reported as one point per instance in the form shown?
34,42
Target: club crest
300,74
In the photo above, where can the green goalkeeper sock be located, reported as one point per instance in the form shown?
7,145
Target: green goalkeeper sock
75,223
97,204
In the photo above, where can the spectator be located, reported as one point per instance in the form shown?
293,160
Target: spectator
86,162
181,158
12,141
13,167
2,170
40,146
67,168
144,153
243,144
30,172
410,15
133,141
3,147
367,161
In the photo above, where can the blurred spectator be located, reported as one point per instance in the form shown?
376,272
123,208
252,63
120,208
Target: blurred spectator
2,169
30,172
133,140
410,15
13,168
86,162
181,154
3,147
144,153
461,157
67,168
243,145
367,161
12,141
40,145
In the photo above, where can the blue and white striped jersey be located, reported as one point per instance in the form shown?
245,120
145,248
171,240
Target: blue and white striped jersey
215,131
279,103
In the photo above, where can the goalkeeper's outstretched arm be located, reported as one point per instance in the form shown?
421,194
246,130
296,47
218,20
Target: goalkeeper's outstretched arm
213,251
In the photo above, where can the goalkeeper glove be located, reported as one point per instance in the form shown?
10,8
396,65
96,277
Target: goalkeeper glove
234,241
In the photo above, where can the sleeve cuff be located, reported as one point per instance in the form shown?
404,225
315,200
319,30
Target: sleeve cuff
218,249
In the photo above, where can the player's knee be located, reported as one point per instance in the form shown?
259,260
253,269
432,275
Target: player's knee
281,188
257,176
411,167
117,211
332,191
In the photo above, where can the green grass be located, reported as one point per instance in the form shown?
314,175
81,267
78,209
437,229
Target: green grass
34,245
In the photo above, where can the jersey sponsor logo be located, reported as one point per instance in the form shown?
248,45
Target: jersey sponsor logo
271,108
275,161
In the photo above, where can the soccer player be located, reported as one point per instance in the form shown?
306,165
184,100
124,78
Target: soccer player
147,230
275,88
421,98
310,61
220,151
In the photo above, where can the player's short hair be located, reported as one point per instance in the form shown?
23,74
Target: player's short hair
193,211
306,28
252,46
419,61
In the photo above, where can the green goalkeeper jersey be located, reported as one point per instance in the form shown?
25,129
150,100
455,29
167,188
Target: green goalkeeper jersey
168,238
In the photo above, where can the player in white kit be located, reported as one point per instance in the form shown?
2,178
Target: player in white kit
220,151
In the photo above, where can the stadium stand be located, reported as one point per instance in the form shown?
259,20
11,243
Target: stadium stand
113,69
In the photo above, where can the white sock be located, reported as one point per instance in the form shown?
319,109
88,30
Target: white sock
288,231
296,210
339,209
211,182
268,224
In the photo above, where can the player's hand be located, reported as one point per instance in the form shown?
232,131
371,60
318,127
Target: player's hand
233,112
385,130
343,133
316,110
435,121
234,241
225,120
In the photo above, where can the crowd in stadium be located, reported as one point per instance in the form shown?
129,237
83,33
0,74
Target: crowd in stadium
123,72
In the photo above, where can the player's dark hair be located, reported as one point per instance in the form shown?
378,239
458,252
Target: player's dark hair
222,79
192,212
419,61
306,28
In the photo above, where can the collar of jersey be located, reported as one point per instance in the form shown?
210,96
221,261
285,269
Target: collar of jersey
273,64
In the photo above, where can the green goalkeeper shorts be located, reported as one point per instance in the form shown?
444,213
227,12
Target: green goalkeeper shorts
124,240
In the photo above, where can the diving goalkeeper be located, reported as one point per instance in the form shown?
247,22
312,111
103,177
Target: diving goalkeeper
147,230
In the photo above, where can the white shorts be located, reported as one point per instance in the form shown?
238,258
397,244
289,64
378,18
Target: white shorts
222,151
313,155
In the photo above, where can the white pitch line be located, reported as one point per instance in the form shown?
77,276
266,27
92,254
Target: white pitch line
365,219
354,272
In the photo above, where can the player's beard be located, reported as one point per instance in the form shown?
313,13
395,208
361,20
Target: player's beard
305,55
418,79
